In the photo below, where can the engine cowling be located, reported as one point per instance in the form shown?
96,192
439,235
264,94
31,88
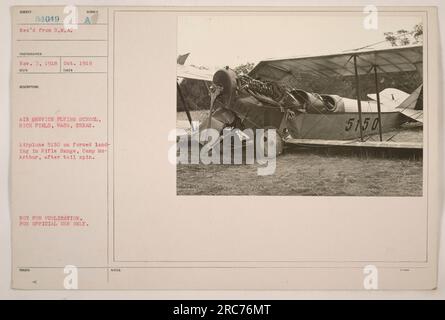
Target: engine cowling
333,103
311,102
319,103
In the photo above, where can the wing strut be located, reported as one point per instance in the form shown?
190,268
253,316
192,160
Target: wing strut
185,104
357,89
377,90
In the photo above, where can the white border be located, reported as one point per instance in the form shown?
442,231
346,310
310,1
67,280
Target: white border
5,241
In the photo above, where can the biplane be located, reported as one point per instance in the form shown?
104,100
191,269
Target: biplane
264,99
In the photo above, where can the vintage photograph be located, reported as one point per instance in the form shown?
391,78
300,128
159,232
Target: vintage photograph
302,104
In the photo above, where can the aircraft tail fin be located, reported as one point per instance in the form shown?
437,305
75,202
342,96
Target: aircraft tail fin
412,101
412,106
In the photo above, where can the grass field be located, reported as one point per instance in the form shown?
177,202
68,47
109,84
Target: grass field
302,172
313,172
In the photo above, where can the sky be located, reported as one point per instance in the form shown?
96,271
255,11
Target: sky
231,40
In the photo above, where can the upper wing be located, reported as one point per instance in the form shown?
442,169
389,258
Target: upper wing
398,59
190,72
